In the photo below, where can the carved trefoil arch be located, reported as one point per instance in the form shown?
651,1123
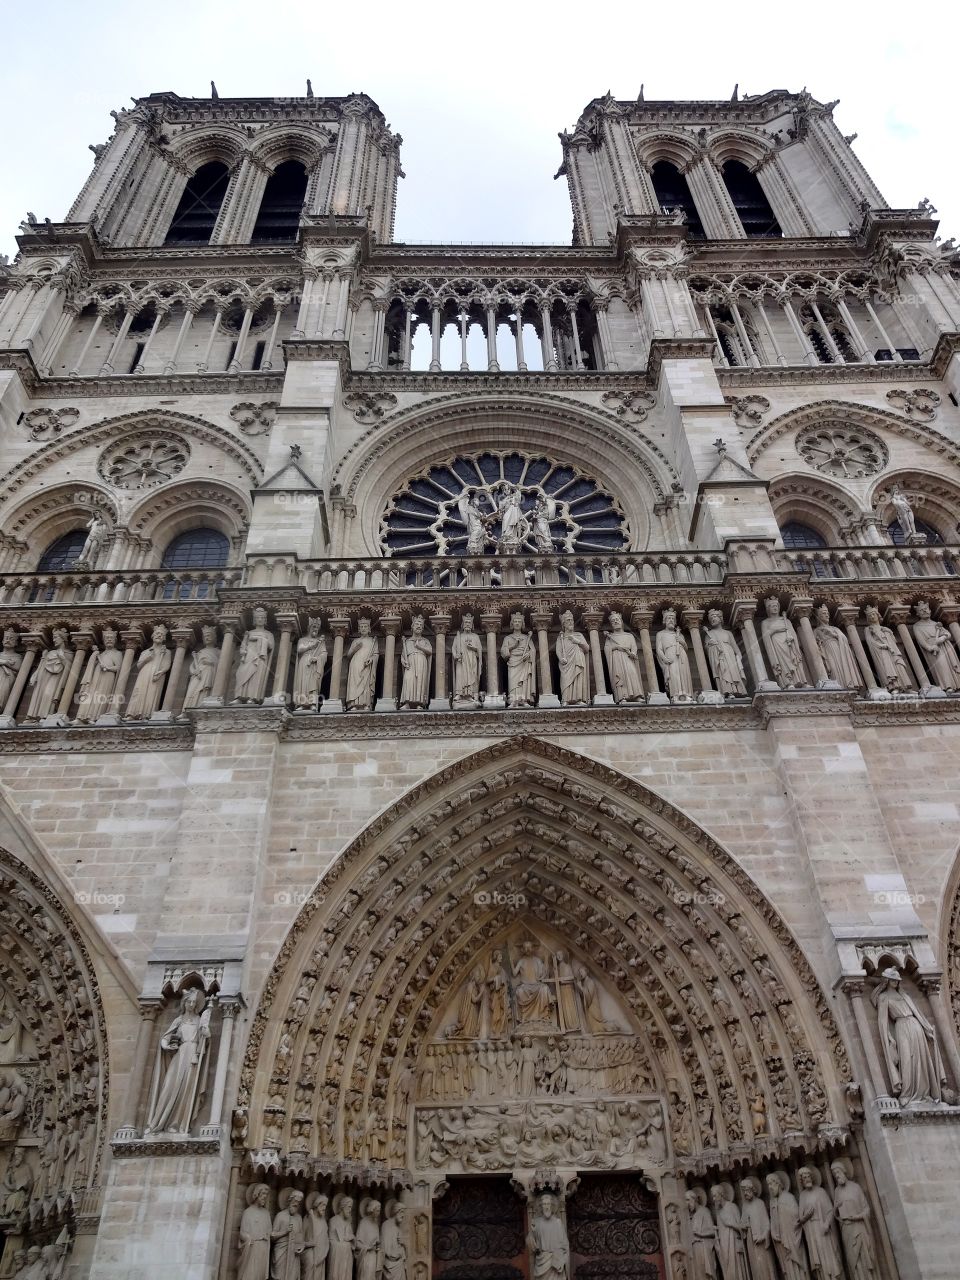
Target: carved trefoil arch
528,842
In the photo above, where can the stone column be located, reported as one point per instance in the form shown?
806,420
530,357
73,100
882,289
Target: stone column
806,347
182,638
132,640
541,624
224,666
236,363
641,620
125,323
94,330
341,629
229,1009
493,365
391,629
375,363
82,642
204,363
591,621
742,615
896,615
575,335
546,339
854,989
138,1073
884,336
435,366
599,306
288,627
692,619
494,699
799,612
190,309
440,622
866,355
407,338
933,990
70,312
761,311
141,364
847,617
32,644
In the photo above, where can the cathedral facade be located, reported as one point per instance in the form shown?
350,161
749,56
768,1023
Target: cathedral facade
479,729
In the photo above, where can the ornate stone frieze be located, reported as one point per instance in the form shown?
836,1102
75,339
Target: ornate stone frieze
47,424
254,419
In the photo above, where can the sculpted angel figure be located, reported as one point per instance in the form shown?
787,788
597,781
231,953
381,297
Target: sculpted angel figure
152,667
362,668
179,1079
623,663
723,654
935,642
571,649
783,647
203,669
547,1242
99,680
311,661
520,654
253,668
544,510
416,653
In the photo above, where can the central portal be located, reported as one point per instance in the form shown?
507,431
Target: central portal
608,1229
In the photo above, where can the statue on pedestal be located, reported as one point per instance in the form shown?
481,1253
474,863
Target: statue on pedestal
416,653
671,648
816,1219
935,642
10,662
287,1236
180,1073
783,647
99,680
853,1214
366,1244
203,669
50,676
756,1231
723,654
152,666
253,667
785,1230
620,648
889,663
466,650
571,649
316,1237
547,1242
255,1226
393,1248
704,1235
835,651
910,1046
340,1258
311,662
520,653
362,668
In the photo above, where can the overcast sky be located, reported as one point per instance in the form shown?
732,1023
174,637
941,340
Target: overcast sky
478,91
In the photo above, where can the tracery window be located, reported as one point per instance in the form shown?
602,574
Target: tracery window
502,502
801,537
899,538
197,549
199,206
279,218
64,553
673,192
845,452
752,206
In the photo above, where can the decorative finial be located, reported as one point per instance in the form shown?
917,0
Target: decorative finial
735,96
213,91
640,94
720,446
309,89
295,451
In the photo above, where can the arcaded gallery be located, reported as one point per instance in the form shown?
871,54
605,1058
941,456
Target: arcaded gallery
480,727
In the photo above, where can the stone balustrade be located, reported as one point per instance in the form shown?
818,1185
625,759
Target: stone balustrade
476,651
114,587
874,562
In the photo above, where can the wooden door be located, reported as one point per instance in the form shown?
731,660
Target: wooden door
479,1231
614,1227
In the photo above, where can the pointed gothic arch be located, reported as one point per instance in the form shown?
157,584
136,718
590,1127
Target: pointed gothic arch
720,996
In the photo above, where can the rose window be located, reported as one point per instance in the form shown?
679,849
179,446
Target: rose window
502,503
842,452
143,463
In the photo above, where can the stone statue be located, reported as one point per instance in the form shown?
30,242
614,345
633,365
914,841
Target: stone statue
532,990
571,649
785,1230
470,1010
816,1220
547,1242
254,1258
934,641
783,647
17,1184
287,1236
590,995
179,1078
50,676
499,996
756,1231
316,1237
544,510
11,1030
888,662
362,668
10,662
520,653
703,1234
723,654
203,669
835,651
99,680
905,517
393,1249
311,662
514,527
671,649
416,654
567,993
909,1043
475,522
152,666
620,648
466,650
731,1250
853,1215
96,536
366,1243
340,1258
253,667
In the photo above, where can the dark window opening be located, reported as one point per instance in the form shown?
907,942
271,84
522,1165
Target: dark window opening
672,192
800,537
899,538
259,351
199,205
230,354
905,353
195,549
64,553
137,353
279,218
749,200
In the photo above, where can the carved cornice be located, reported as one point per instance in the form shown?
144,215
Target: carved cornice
804,375
139,384
121,737
124,1148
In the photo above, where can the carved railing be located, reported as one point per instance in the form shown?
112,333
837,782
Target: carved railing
114,587
870,563
686,643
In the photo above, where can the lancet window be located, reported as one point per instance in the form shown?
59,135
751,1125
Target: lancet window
281,206
673,192
199,206
752,206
